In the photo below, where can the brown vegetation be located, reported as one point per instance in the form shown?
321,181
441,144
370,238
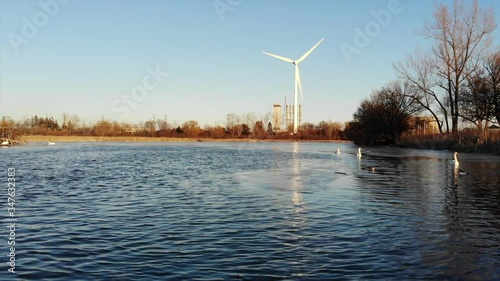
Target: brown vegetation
461,37
46,138
106,130
464,141
455,83
382,118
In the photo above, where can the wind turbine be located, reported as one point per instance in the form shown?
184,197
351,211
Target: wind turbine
297,83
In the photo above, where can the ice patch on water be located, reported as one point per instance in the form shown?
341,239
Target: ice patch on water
304,177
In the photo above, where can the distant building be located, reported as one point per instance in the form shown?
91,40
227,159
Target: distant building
277,117
494,127
283,120
289,111
423,125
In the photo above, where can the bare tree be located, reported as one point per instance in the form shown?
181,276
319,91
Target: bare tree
103,128
477,102
237,130
75,119
191,128
460,37
417,73
65,118
266,117
232,119
258,130
127,128
150,126
117,128
162,124
330,130
492,67
250,119
385,115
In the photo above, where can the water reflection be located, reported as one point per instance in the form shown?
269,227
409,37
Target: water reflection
432,200
297,201
264,211
295,165
297,187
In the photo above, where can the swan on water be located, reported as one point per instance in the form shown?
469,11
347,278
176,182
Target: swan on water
455,161
462,172
5,143
359,152
51,143
338,151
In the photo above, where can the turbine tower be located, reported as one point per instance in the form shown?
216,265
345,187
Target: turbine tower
297,83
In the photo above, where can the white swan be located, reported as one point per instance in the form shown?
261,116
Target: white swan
338,151
51,143
359,152
455,161
5,143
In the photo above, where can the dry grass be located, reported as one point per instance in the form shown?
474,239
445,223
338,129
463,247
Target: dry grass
468,141
40,138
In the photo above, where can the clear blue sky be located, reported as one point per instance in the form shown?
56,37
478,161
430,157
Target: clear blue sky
88,54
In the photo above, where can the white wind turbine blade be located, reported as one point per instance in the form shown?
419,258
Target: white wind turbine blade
279,57
299,83
310,51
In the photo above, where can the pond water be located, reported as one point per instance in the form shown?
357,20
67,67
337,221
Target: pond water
251,211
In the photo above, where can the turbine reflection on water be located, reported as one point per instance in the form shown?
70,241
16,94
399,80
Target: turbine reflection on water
259,211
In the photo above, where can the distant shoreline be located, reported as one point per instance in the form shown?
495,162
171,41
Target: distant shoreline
44,138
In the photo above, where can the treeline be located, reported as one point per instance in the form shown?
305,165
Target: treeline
235,129
382,118
456,82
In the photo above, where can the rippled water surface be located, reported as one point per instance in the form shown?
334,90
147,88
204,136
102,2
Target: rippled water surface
251,211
